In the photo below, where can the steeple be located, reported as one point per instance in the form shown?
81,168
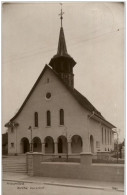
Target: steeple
62,49
62,62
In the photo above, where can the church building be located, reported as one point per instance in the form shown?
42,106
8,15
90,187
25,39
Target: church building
55,118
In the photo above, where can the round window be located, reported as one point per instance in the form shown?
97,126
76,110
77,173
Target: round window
48,95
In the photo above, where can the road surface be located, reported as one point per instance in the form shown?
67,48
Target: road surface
21,188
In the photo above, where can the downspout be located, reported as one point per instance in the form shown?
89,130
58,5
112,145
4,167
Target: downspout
91,115
89,129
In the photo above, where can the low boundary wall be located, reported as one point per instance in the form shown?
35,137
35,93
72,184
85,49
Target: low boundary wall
83,170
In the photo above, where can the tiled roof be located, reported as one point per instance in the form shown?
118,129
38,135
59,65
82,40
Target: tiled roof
85,103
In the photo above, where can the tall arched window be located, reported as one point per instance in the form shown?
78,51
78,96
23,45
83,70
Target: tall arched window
48,118
111,137
105,137
102,135
108,137
61,117
36,119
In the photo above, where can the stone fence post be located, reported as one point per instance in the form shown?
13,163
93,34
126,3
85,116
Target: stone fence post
33,161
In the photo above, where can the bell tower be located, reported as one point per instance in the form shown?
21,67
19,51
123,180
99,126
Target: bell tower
62,62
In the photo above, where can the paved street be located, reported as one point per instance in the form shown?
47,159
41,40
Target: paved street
21,188
22,184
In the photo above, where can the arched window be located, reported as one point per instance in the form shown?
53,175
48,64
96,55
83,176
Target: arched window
48,118
61,117
102,135
36,119
105,137
108,137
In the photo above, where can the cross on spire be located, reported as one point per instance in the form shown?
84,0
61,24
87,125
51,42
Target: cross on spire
61,14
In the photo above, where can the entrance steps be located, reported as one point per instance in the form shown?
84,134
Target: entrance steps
15,164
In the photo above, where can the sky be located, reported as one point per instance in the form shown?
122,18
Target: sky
94,33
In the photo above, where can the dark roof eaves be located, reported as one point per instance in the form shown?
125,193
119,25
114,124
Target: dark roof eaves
105,120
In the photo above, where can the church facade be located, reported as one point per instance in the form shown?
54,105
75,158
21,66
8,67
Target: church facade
57,119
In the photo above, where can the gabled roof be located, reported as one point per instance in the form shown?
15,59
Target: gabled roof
77,95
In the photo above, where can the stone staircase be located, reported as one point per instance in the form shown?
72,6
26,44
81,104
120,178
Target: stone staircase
15,164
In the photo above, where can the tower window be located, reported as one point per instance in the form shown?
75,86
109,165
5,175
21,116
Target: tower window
36,119
61,117
48,118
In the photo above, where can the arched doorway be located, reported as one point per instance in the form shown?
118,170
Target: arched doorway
25,146
49,145
76,144
36,144
92,144
62,144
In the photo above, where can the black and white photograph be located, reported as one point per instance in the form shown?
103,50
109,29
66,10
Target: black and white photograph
63,98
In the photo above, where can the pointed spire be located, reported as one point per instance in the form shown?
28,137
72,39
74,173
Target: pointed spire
62,54
62,49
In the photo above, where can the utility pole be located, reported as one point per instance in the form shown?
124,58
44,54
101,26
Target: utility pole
31,148
16,139
117,144
67,141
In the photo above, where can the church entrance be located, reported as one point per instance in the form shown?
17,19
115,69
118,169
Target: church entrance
49,145
36,144
25,147
76,144
62,144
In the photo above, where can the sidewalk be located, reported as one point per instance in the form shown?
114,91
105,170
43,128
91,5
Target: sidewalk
62,181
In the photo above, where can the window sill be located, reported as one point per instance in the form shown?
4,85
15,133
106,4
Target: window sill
48,127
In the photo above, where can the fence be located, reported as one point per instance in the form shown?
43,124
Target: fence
61,158
37,165
103,157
